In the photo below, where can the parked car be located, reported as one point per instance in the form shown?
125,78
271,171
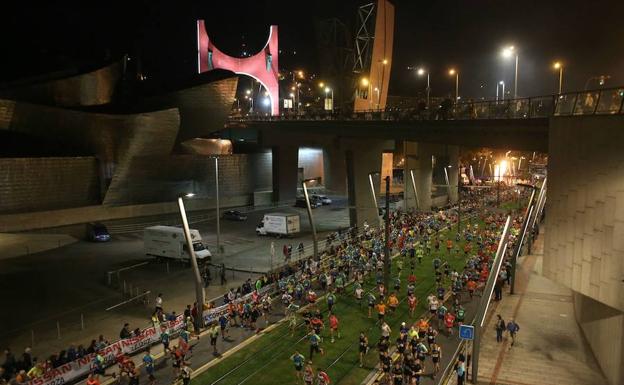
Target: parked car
97,232
234,215
323,199
301,202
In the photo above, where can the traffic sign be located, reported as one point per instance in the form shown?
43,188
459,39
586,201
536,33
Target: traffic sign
466,332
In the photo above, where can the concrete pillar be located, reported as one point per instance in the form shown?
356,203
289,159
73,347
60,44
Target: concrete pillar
362,160
453,171
418,158
285,169
335,170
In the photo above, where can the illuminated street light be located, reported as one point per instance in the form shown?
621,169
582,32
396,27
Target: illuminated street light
385,61
248,92
559,66
300,74
502,83
266,101
321,85
421,71
452,72
365,82
507,53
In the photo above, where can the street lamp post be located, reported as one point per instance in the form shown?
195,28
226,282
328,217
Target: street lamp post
421,72
508,53
199,290
452,72
502,83
311,218
387,259
217,204
559,66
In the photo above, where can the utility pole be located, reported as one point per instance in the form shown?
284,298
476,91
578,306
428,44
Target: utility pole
458,198
387,259
218,209
312,225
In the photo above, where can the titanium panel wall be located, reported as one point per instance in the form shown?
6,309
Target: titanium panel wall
34,184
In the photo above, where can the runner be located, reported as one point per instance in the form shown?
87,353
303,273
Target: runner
298,360
185,373
308,374
363,347
323,378
315,341
381,311
371,303
393,302
449,320
213,331
148,362
412,302
436,356
333,326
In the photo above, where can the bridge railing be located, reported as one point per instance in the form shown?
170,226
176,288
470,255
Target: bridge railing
591,102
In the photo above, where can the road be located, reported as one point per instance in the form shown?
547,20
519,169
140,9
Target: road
68,285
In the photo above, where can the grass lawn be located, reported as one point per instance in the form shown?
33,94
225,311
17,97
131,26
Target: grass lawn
267,360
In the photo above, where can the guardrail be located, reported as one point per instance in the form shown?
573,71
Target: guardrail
607,101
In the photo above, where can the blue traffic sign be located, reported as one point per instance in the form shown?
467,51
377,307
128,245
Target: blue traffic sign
466,332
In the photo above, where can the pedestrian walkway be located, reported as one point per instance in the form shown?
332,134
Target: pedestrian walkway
15,245
549,348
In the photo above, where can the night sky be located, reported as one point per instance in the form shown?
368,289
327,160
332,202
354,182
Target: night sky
587,36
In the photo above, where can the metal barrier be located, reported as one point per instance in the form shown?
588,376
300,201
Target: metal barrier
606,101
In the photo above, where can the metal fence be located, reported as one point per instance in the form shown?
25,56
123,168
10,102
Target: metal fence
607,101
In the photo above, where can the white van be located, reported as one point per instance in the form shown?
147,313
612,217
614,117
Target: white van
279,224
169,242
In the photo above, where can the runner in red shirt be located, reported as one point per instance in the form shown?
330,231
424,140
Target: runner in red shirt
449,320
333,326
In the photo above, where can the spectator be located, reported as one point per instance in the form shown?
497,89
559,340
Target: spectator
159,302
513,328
125,332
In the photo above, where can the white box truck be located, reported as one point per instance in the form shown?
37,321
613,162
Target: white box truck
169,242
279,224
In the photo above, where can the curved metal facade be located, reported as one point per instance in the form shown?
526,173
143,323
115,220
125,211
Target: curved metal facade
90,89
114,139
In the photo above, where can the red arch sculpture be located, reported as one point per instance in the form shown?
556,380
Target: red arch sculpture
262,66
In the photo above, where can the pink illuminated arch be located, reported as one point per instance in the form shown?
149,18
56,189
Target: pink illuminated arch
262,66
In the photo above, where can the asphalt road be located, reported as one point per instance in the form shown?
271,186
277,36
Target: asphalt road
63,288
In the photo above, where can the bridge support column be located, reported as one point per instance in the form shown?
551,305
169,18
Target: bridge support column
285,169
453,172
418,159
335,170
362,159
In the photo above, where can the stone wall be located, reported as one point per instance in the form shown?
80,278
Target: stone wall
33,184
584,247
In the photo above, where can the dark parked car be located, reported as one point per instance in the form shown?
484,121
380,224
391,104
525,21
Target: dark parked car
234,215
97,232
301,202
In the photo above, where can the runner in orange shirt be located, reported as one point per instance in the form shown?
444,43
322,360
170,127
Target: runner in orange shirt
393,302
423,325
381,310
471,285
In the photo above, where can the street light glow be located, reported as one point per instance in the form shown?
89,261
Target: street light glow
508,52
300,74
501,83
385,61
421,71
189,195
321,85
452,71
557,65
327,89
248,92
364,82
266,101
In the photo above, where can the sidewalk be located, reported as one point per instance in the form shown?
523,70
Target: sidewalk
549,347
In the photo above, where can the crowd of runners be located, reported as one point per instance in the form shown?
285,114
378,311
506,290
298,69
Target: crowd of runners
341,271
